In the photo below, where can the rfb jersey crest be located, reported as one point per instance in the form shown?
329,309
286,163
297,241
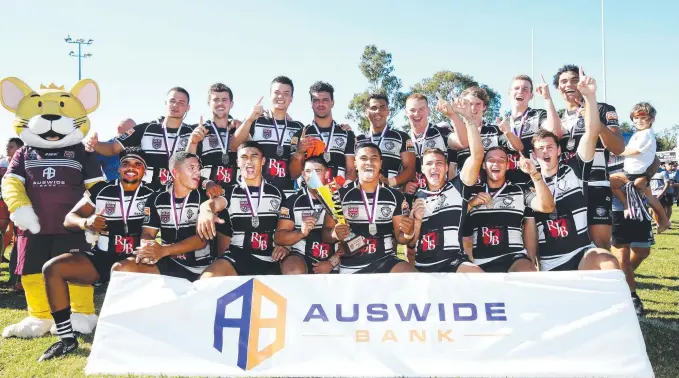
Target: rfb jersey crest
352,212
156,143
110,208
244,206
266,133
165,216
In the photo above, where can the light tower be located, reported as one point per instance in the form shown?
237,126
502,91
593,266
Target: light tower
79,55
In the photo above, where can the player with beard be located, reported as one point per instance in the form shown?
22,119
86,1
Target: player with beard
244,221
563,236
299,227
377,213
610,141
159,139
497,209
211,140
339,141
112,210
173,212
398,167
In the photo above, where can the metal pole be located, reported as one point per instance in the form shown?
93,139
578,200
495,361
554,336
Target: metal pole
79,63
532,61
80,55
603,48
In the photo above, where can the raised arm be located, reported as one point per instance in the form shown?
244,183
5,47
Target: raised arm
469,173
587,147
553,122
242,133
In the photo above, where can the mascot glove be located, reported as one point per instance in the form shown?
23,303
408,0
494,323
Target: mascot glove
25,218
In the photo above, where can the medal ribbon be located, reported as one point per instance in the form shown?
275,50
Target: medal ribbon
279,137
332,132
370,213
248,196
223,145
417,141
174,145
126,213
384,132
177,219
523,123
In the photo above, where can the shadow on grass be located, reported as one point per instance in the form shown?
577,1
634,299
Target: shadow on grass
655,286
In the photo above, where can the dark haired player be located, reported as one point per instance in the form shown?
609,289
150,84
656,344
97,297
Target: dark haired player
112,210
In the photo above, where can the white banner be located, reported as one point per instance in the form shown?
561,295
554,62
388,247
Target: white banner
557,324
666,155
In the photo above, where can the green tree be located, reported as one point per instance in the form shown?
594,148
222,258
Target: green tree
377,67
626,127
449,84
667,139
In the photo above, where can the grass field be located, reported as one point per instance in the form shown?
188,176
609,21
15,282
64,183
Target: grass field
658,279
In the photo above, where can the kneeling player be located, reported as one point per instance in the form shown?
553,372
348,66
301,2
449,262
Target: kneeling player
114,211
173,212
374,212
247,219
497,210
299,228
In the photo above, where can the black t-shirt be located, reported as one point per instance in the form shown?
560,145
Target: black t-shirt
434,137
341,146
301,206
393,144
210,151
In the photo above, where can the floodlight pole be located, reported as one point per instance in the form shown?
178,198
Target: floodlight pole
79,42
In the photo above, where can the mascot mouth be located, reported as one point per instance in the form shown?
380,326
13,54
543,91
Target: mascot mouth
52,136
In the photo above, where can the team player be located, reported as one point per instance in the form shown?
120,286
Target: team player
159,139
245,220
398,167
112,210
300,226
173,212
563,236
374,212
610,141
339,142
497,212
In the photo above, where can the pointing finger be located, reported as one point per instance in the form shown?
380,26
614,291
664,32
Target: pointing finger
200,122
582,73
543,79
260,100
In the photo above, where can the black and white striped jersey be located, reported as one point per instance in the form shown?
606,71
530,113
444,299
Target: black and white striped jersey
343,144
393,144
524,126
298,207
562,233
151,137
269,137
434,137
177,223
491,136
574,124
249,234
210,151
106,196
440,234
390,203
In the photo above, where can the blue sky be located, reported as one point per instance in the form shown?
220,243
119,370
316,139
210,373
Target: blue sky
142,48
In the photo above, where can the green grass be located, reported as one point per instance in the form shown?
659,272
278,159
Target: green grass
658,279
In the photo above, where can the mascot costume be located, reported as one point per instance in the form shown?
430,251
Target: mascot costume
44,181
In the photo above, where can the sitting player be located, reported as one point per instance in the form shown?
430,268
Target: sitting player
112,210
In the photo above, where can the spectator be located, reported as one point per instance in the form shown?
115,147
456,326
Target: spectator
109,164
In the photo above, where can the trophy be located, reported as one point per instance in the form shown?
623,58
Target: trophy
329,196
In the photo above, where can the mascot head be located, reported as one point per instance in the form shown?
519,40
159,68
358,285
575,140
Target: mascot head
51,117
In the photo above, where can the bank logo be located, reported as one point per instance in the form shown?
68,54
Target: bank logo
251,322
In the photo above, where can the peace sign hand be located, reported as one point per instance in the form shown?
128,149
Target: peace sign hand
462,107
443,106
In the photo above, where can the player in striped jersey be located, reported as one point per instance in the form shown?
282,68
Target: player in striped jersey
114,211
246,219
173,212
563,236
377,213
610,140
398,166
299,227
497,213
159,139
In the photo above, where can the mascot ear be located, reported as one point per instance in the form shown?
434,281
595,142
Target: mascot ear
87,91
12,91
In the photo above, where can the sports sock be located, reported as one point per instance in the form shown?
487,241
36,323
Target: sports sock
62,318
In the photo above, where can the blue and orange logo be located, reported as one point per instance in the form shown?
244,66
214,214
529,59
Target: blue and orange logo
250,322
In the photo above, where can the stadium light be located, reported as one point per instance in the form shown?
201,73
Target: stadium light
79,55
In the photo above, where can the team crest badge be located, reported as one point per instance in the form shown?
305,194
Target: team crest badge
275,204
486,142
32,155
69,154
430,144
189,214
140,206
266,133
339,142
212,139
244,205
110,208
389,145
156,143
552,215
165,216
385,211
600,211
183,142
508,201
352,212
441,201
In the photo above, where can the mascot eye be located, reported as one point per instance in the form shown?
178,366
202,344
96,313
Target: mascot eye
61,104
40,104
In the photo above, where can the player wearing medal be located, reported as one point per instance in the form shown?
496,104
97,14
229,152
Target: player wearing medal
610,141
173,212
245,220
563,237
211,140
159,139
398,166
115,211
339,141
300,226
374,212
496,215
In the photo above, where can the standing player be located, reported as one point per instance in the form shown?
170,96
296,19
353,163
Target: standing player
563,237
300,226
173,212
247,217
375,212
398,167
115,211
159,139
339,143
610,141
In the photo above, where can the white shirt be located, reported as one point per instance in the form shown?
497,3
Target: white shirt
658,182
644,142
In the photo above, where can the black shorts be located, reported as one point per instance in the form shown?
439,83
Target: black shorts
309,262
599,205
35,250
383,265
103,262
247,265
573,263
503,263
627,231
446,266
168,267
667,199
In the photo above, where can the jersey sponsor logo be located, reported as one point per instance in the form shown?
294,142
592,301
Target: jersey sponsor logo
600,211
164,176
370,246
32,155
224,174
49,173
147,214
491,236
156,143
513,161
165,216
409,146
244,206
275,204
386,211
277,168
180,257
285,212
429,241
123,244
212,141
266,133
320,250
352,212
611,116
259,242
558,228
421,180
69,154
110,208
